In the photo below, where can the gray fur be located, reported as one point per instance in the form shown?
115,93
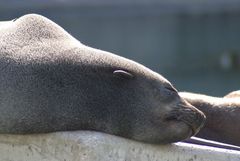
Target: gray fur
51,82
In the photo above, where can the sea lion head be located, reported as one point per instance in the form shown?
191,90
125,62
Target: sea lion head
160,114
83,88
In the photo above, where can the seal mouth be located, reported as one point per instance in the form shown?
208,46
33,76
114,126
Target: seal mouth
193,119
193,129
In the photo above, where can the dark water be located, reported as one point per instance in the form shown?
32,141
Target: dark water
186,48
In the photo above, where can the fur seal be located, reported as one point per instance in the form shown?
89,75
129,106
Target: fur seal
223,116
51,82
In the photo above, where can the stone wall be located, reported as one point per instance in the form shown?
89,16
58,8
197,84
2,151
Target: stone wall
94,146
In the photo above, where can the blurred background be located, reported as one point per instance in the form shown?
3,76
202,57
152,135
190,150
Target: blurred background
194,44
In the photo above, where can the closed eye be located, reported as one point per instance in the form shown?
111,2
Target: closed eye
170,88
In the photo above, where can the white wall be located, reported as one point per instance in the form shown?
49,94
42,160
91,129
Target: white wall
93,146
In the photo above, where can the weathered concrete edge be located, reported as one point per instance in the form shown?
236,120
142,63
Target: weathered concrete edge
95,146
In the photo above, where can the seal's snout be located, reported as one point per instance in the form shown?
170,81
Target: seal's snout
188,114
193,117
198,122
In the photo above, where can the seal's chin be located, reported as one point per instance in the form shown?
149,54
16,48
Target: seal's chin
190,132
177,131
193,129
188,129
192,118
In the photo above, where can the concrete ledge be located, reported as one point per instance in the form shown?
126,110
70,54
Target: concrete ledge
94,146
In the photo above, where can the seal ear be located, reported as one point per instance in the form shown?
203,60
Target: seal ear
122,74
